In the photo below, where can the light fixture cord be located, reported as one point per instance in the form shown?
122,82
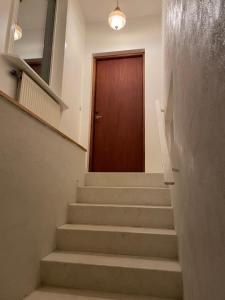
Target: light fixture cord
117,3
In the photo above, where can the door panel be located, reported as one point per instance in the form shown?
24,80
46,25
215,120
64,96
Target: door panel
118,131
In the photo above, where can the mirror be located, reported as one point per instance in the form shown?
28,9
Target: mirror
33,37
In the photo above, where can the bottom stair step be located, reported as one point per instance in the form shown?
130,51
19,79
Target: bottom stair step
113,273
48,293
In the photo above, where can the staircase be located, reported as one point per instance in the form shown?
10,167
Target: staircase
119,243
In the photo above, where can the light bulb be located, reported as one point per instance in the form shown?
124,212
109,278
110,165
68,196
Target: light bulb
18,33
117,19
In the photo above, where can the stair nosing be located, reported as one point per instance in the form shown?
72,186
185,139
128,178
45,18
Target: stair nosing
118,229
121,205
123,187
136,260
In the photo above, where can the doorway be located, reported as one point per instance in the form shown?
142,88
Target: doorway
117,135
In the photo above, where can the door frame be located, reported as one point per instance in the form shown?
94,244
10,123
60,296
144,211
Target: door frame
108,55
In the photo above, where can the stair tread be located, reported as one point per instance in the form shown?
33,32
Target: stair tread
120,205
121,261
52,293
122,229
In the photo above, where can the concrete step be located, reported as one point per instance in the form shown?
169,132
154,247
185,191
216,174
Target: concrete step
121,215
115,274
118,240
52,293
125,179
124,195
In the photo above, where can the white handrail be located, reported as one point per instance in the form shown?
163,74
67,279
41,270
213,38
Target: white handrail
166,162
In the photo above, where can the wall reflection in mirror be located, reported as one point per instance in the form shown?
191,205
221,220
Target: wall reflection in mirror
33,36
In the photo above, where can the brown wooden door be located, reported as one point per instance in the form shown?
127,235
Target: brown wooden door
118,125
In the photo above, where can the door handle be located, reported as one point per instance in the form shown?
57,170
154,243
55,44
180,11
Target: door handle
98,117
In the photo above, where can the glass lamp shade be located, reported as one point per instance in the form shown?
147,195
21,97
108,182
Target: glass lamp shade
117,19
18,33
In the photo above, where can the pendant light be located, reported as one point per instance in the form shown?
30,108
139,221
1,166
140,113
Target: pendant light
18,33
117,19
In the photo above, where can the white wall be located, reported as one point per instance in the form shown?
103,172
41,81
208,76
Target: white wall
144,33
72,84
39,173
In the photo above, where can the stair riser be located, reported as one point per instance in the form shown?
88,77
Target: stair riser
112,279
121,216
164,246
131,196
124,180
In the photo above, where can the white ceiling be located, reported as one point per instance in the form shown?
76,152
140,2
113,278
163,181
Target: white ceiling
98,10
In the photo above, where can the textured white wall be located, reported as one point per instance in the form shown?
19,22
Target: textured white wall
144,33
195,60
72,84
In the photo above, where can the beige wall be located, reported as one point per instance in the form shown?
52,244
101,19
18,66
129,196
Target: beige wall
194,63
39,171
72,83
144,33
